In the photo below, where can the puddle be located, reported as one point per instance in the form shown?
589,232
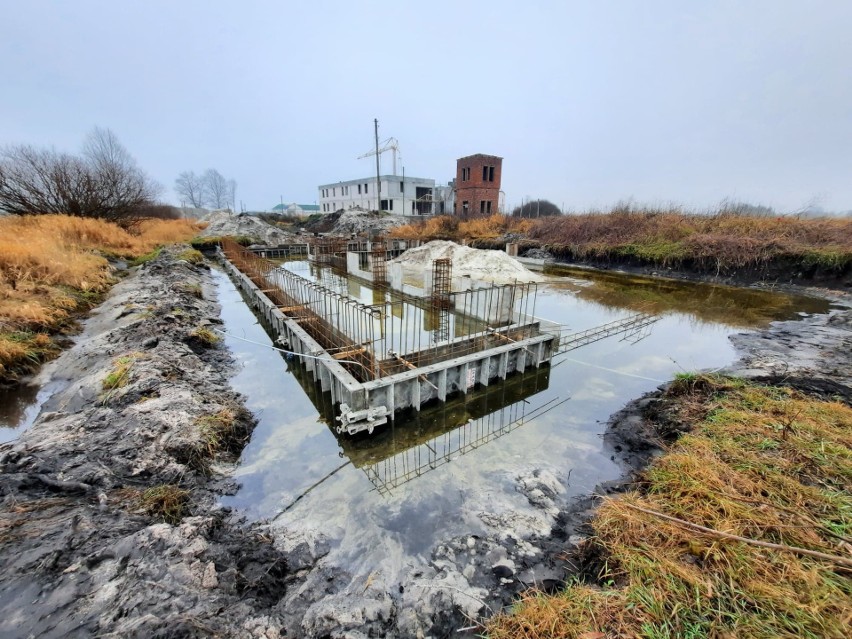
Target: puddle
387,499
19,408
711,303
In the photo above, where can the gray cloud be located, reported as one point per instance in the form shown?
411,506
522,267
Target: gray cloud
588,103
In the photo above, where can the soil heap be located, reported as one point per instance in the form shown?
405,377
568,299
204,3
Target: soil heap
225,223
354,221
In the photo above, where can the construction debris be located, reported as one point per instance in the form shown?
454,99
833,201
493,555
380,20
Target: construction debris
222,223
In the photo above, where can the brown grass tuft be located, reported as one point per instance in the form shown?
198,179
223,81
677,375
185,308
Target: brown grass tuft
446,227
52,266
762,463
166,502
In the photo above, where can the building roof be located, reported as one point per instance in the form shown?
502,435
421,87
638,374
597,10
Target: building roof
304,207
479,155
409,179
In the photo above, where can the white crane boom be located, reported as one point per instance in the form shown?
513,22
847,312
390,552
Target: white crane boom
391,144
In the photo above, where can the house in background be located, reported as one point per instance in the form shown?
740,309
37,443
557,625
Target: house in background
296,209
400,195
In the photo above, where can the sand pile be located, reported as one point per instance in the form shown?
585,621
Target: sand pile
478,264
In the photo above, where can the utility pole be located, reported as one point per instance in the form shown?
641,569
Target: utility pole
378,179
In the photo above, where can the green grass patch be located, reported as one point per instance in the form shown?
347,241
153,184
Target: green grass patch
120,374
191,255
144,259
661,252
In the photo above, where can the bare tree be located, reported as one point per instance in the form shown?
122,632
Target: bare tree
218,189
104,182
190,188
123,187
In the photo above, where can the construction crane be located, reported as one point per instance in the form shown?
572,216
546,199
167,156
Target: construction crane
391,144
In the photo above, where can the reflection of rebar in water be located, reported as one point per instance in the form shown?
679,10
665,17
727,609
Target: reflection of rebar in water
414,462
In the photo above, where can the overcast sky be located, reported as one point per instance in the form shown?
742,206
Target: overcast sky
588,102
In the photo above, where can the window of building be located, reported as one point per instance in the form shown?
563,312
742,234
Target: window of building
465,207
402,187
490,173
465,174
481,206
366,190
484,173
359,189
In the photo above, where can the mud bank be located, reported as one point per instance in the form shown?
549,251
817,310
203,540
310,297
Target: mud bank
790,276
82,555
812,355
781,272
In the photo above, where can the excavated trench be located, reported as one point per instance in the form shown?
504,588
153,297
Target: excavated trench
449,512
432,521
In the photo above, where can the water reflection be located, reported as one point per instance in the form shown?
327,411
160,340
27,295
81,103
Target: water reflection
713,303
417,443
386,499
19,407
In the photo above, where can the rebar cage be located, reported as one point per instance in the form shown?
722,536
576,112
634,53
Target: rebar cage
396,332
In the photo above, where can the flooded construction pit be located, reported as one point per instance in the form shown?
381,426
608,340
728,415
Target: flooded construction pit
498,462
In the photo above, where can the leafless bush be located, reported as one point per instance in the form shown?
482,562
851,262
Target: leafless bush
103,182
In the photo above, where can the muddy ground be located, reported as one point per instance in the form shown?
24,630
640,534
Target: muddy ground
81,556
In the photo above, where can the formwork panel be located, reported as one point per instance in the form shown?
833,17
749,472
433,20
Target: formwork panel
302,312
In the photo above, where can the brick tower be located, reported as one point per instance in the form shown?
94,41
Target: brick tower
478,185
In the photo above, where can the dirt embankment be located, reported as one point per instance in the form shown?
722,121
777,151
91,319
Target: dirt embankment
812,356
144,431
782,270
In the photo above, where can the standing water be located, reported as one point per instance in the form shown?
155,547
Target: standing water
386,501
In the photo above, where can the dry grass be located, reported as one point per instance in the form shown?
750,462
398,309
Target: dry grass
763,463
446,227
166,502
672,237
222,431
205,336
723,240
52,266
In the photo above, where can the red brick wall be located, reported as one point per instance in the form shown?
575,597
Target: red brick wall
474,190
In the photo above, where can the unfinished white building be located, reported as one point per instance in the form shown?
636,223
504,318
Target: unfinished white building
399,196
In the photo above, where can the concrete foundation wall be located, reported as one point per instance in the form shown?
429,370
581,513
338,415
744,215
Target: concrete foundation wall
404,390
